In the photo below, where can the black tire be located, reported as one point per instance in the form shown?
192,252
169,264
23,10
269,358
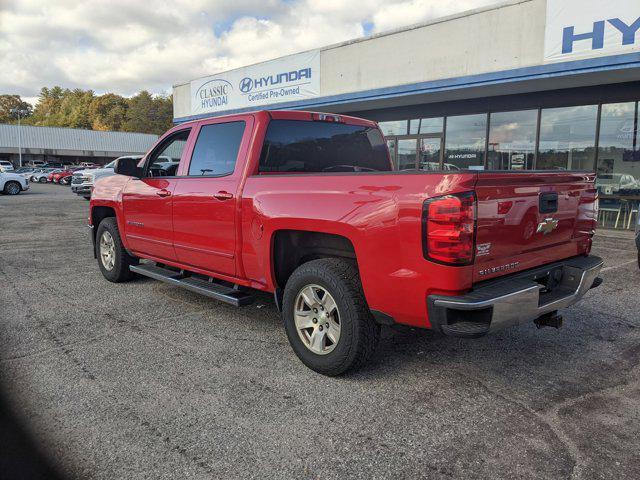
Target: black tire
42,180
119,272
12,188
359,334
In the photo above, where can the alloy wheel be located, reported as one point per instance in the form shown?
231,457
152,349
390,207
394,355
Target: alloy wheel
317,319
107,251
13,188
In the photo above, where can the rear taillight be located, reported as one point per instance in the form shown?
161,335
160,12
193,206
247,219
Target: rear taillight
448,227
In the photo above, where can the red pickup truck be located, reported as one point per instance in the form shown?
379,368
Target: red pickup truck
308,206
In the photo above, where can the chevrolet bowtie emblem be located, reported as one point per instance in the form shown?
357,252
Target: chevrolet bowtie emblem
548,225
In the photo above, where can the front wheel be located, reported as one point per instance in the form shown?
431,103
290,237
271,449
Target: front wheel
113,259
12,188
42,180
326,317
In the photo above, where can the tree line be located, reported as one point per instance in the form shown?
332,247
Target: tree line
77,108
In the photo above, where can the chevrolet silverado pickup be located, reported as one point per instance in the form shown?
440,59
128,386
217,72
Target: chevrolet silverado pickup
308,206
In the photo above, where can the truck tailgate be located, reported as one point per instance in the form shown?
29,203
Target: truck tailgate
528,219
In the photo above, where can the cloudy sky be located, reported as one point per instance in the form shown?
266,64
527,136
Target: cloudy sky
124,46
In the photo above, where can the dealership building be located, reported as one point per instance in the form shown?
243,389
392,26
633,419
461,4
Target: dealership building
520,85
68,145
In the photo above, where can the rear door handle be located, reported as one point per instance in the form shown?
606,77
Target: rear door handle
223,195
163,193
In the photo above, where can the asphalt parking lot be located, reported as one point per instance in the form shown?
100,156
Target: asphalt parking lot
142,380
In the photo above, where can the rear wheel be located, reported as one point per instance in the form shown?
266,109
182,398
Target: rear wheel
113,259
42,180
12,188
326,317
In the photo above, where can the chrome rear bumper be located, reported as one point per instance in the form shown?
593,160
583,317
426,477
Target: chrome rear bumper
516,299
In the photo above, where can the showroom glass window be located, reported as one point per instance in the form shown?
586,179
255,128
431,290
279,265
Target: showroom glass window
407,154
512,140
424,126
216,149
567,138
465,141
618,149
395,128
391,145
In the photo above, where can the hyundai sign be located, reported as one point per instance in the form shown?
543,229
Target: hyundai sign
287,79
589,28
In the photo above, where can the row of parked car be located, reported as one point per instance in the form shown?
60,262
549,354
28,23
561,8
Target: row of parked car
80,177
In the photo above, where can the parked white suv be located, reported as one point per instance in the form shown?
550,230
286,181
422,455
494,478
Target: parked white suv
6,166
12,183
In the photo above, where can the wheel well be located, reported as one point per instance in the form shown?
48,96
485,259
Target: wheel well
97,215
292,248
100,213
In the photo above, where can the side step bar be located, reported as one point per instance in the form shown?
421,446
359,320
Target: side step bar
223,293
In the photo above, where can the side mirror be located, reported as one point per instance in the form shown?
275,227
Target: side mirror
128,167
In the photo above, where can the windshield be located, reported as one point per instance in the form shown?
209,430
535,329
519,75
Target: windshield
110,164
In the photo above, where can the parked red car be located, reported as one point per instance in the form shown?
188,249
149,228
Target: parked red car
64,177
307,206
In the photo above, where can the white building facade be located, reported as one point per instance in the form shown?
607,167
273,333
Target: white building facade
529,84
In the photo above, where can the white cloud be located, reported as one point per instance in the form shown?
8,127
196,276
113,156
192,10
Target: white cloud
126,45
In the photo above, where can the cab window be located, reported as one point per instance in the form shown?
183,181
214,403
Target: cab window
164,160
322,147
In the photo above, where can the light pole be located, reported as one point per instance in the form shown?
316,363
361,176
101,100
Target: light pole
20,113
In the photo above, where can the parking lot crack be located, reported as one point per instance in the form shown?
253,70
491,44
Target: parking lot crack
44,351
550,422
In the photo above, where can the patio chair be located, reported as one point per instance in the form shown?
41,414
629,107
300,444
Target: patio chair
609,208
633,209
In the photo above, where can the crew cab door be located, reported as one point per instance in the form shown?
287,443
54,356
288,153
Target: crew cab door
147,201
205,200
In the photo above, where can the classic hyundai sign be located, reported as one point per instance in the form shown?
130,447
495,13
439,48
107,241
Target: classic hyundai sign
590,28
287,79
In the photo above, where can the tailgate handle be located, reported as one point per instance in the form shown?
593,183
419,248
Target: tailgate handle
548,202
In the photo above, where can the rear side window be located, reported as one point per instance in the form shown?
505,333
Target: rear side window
303,146
216,149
